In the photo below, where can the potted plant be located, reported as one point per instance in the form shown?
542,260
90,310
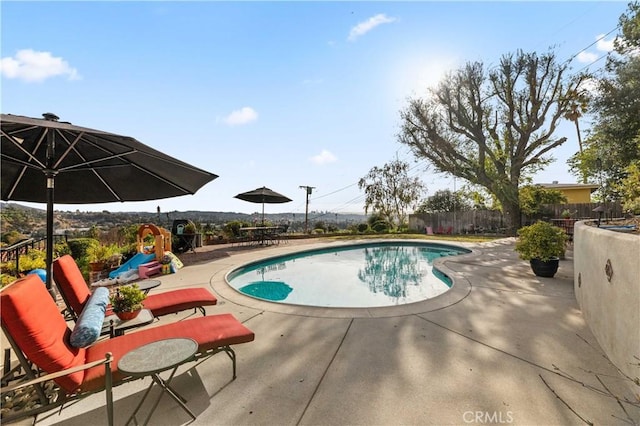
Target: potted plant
126,302
190,228
542,244
100,254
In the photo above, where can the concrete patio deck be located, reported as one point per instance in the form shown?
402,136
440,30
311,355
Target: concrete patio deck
502,347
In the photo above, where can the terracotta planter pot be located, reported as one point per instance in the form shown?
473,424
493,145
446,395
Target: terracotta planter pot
545,269
96,266
127,315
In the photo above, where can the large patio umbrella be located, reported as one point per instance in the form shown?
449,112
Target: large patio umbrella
85,166
263,195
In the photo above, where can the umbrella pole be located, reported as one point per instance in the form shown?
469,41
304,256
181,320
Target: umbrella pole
50,175
49,253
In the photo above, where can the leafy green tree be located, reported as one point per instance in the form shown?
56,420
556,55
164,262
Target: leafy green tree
390,191
128,234
232,229
630,189
445,201
532,197
493,126
613,143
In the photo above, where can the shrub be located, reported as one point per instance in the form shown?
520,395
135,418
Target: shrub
380,226
6,279
79,246
320,225
540,241
102,252
232,229
34,259
363,227
131,249
61,248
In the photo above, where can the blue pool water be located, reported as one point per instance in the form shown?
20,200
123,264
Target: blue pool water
355,276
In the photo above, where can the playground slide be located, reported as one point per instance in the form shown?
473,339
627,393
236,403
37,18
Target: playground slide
132,264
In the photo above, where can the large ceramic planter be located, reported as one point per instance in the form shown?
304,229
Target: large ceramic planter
545,269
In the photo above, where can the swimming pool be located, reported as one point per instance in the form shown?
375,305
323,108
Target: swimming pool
352,276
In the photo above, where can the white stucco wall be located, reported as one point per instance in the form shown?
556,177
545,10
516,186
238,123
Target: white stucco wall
610,305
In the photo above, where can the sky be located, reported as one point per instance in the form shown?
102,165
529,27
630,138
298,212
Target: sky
276,94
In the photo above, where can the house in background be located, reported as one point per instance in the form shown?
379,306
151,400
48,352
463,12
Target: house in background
575,192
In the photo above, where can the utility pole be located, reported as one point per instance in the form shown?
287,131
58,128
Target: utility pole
306,210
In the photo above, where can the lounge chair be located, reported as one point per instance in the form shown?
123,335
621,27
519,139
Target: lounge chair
75,292
40,337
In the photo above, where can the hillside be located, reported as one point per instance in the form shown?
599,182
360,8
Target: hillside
32,221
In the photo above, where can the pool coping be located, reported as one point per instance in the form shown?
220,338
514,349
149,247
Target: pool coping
460,289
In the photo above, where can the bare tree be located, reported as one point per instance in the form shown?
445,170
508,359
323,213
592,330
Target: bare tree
493,127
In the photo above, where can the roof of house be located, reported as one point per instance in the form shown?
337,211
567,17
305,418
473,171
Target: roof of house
556,185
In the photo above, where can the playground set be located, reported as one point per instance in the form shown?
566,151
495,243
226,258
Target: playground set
150,259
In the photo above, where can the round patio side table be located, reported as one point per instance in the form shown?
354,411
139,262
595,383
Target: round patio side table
151,360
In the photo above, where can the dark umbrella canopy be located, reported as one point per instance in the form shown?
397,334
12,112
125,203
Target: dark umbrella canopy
263,195
89,166
43,160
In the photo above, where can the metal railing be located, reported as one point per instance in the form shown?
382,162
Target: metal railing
14,251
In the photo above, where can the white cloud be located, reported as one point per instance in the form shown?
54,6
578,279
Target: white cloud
364,27
587,57
324,157
604,45
590,85
32,66
241,116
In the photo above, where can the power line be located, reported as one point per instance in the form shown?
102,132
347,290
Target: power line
419,163
595,42
588,65
334,192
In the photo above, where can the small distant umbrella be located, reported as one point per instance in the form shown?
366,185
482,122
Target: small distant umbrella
263,195
85,166
269,290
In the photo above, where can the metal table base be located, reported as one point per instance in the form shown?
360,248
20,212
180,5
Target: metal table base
152,359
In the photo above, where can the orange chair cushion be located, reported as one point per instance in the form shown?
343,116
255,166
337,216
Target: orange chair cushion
178,300
71,283
76,292
32,319
209,332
